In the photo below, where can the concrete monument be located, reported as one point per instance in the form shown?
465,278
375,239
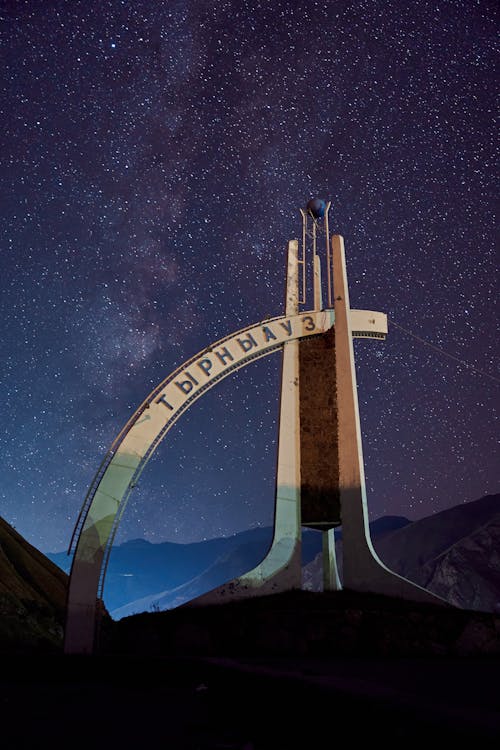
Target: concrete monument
320,478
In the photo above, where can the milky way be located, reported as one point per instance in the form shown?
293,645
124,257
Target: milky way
154,159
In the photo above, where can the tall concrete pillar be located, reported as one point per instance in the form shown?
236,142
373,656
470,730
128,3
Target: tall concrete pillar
281,569
362,568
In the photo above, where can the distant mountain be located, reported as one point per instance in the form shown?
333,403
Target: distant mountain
32,595
139,569
234,562
455,553
144,576
386,525
244,552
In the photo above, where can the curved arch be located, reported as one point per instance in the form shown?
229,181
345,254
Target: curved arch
110,489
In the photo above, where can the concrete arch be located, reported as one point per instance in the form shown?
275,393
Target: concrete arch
108,494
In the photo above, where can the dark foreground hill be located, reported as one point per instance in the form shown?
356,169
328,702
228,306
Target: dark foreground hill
289,669
308,624
280,671
32,595
249,704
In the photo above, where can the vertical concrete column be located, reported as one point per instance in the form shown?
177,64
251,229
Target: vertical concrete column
283,565
331,580
81,608
292,279
281,569
318,294
355,532
318,433
318,438
362,568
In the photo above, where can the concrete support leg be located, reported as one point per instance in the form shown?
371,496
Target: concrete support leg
331,580
362,568
281,569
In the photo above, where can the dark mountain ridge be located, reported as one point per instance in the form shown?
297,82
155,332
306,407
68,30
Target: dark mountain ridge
32,595
413,545
454,553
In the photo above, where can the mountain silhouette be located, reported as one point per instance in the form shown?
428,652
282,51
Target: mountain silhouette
32,595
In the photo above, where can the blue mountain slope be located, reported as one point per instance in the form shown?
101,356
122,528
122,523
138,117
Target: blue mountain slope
140,570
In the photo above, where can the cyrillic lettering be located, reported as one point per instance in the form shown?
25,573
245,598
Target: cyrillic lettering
186,386
287,325
163,400
310,323
268,333
224,354
248,343
205,365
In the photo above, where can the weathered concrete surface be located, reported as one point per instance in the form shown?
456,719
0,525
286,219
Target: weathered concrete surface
319,466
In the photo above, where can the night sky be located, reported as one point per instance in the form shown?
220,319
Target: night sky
154,157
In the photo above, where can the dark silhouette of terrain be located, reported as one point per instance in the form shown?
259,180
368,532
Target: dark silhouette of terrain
308,624
32,595
285,670
248,704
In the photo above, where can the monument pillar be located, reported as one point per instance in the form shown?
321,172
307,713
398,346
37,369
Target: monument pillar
281,568
362,568
320,478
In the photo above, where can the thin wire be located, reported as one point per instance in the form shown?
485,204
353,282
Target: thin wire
450,356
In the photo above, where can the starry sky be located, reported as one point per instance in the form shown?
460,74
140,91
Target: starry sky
154,157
